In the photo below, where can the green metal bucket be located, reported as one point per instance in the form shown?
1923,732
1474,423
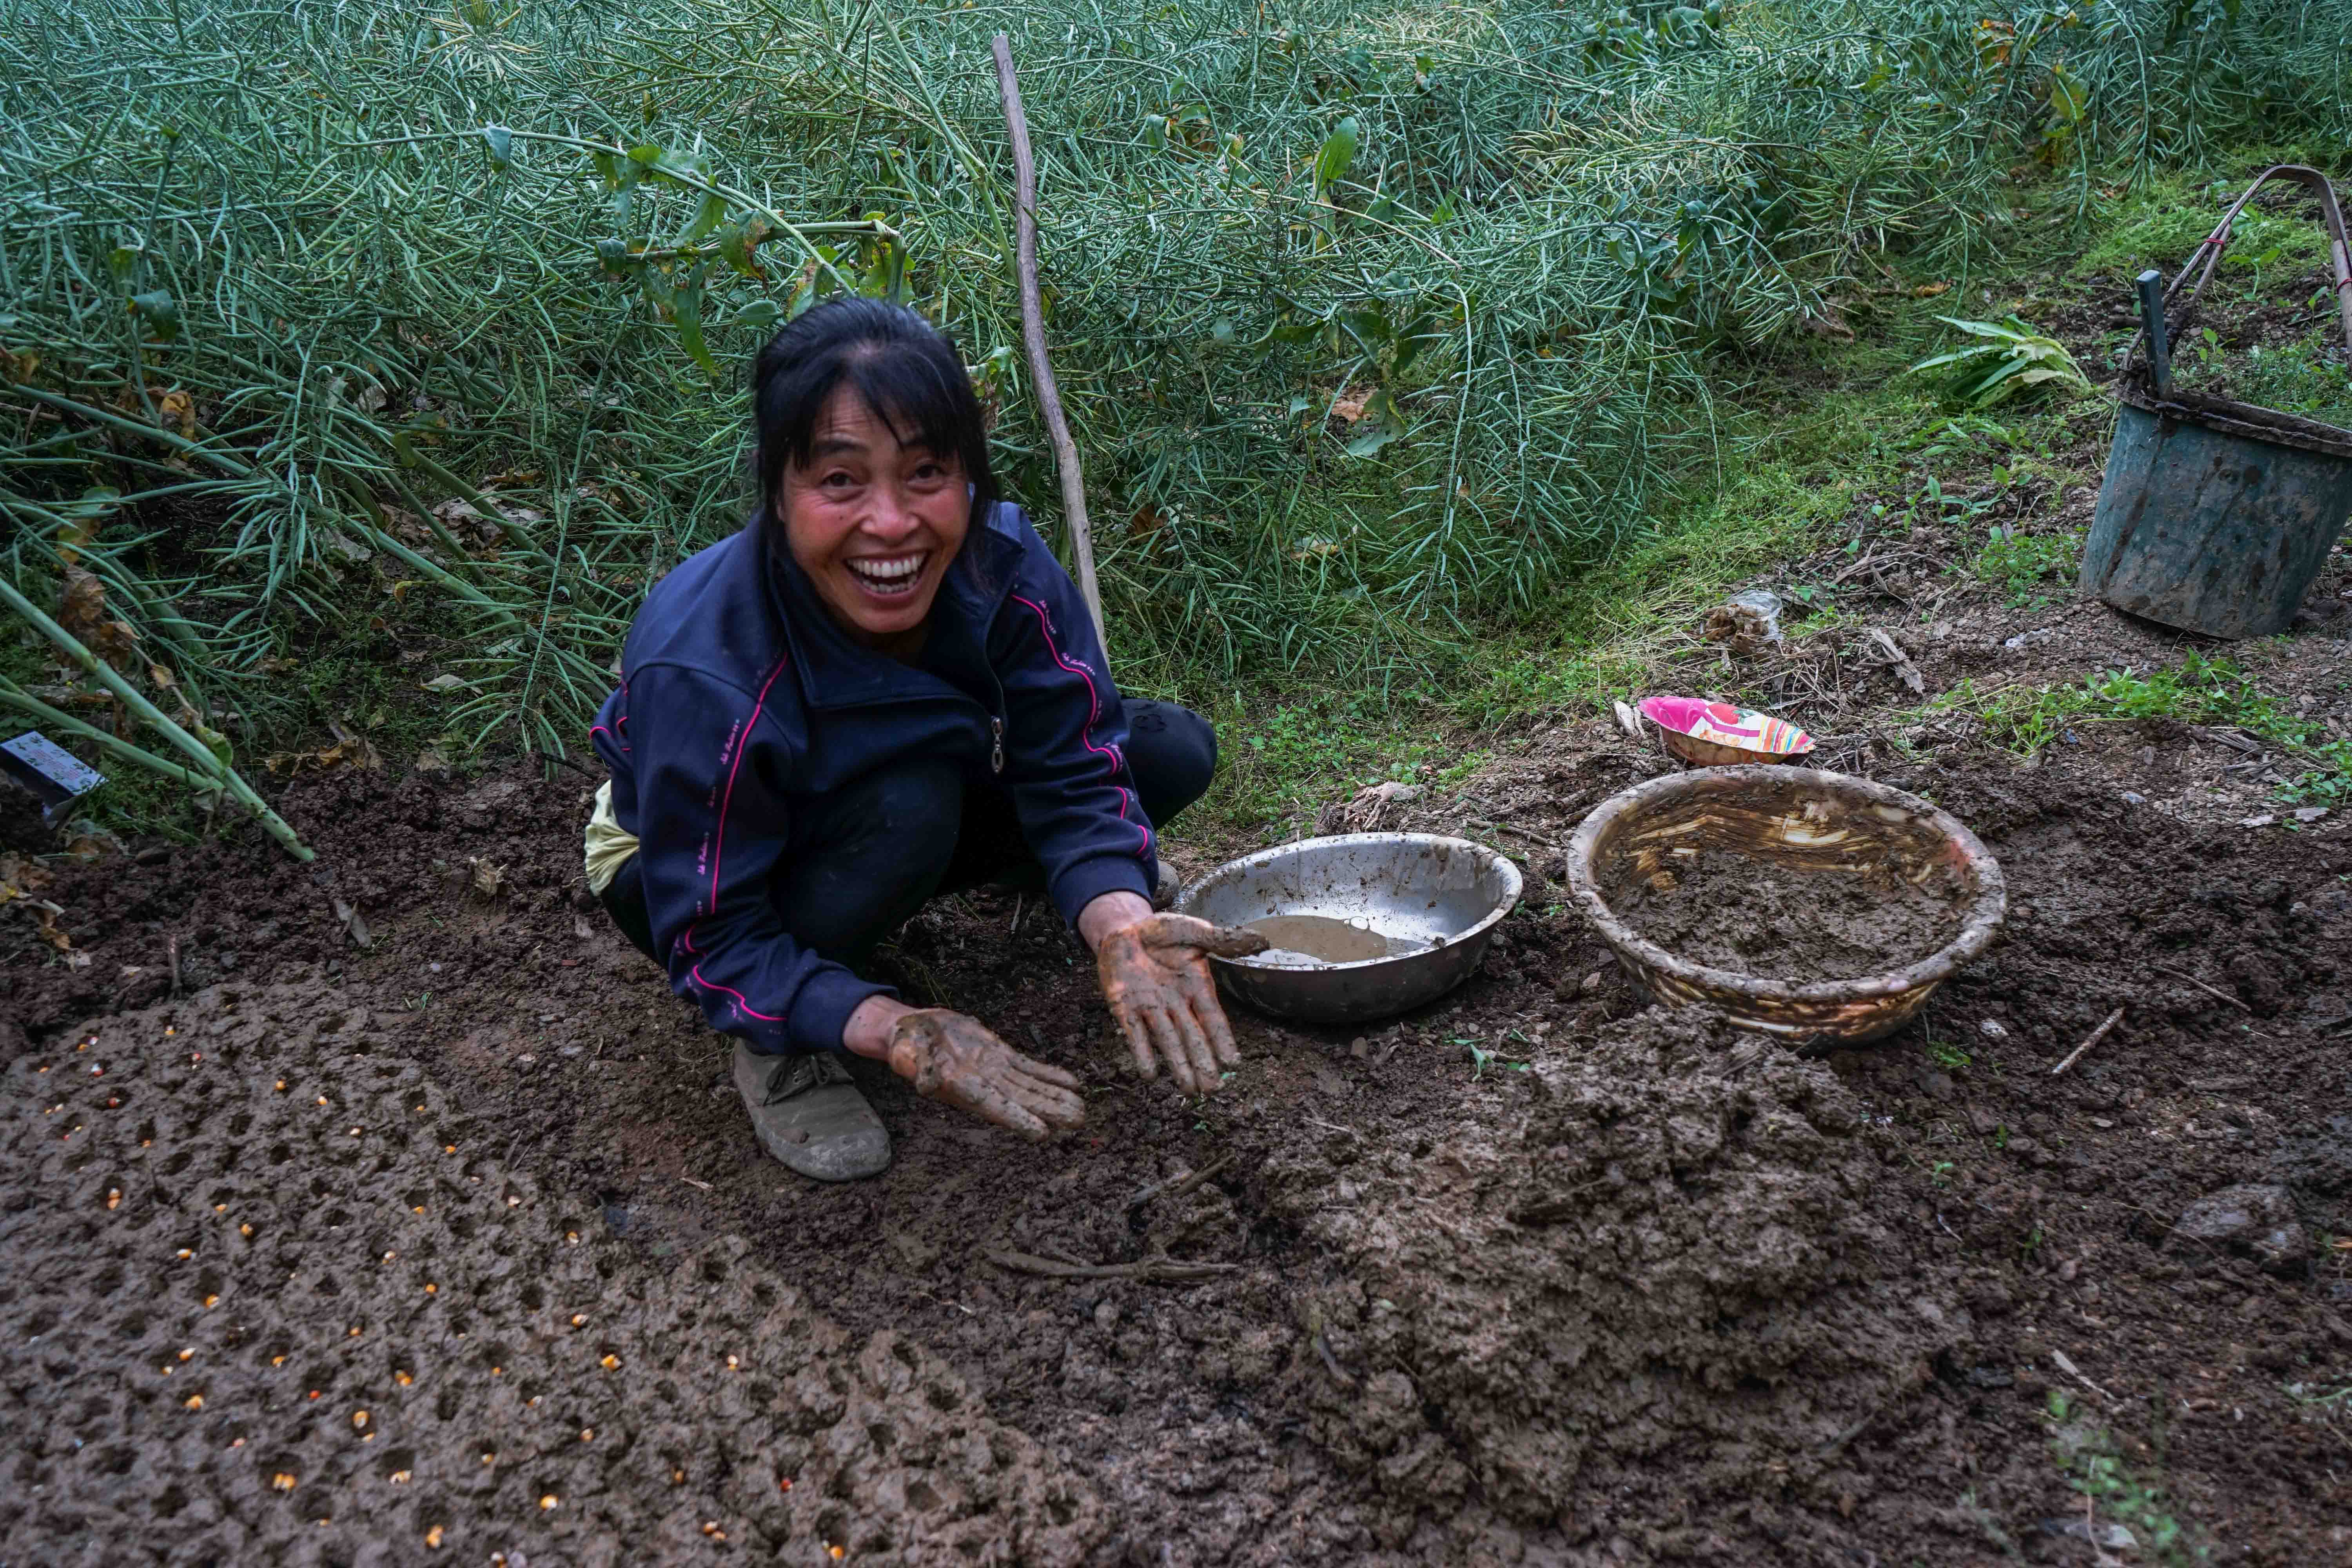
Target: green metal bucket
2213,530
2215,516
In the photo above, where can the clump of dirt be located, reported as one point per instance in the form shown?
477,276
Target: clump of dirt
1750,916
1680,1249
272,1297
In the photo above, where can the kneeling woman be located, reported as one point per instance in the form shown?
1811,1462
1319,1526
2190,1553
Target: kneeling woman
883,688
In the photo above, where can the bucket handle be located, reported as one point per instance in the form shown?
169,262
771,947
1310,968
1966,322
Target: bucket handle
2209,254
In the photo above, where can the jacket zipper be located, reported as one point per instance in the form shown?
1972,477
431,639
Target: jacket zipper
996,734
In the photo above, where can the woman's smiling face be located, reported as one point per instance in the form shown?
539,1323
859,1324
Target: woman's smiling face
872,522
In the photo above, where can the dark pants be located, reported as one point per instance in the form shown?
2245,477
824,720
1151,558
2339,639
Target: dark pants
862,860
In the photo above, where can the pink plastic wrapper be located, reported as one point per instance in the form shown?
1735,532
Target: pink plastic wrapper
1714,733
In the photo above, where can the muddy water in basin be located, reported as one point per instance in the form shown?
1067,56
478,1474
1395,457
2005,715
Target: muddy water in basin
1319,938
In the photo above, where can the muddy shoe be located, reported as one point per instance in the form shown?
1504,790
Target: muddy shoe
809,1113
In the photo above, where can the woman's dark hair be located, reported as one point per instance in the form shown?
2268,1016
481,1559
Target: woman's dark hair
903,367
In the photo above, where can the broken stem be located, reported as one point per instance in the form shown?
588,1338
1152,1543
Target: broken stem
33,706
2097,1036
202,755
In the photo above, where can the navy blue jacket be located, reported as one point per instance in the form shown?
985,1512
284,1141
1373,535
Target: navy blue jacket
739,695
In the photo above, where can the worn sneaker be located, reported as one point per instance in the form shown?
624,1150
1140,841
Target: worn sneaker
809,1114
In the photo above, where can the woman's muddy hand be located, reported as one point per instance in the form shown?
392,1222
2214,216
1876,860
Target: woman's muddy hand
1155,975
947,1056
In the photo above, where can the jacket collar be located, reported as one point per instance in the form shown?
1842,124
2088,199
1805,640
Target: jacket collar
836,671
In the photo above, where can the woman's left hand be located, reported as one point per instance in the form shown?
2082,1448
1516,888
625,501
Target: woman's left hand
1155,975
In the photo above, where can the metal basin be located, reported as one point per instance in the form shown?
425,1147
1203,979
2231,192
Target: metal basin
1805,820
1446,894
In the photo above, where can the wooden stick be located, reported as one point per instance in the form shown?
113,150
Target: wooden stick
2210,991
1177,1189
2097,1036
1166,1270
1032,333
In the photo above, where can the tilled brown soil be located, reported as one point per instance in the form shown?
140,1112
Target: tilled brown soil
1533,1275
272,1297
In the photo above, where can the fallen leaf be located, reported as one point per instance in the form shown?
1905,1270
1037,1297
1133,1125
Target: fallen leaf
2263,820
1827,322
176,407
83,611
441,683
354,926
1351,409
488,878
1900,662
55,935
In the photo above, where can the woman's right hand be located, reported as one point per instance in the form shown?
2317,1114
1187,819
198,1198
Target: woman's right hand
950,1057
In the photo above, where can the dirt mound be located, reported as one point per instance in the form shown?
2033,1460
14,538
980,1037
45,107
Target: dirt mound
1674,1252
271,1298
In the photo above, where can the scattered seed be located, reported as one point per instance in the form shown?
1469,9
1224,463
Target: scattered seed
835,1552
489,1459
578,1319
186,1352
611,1362
314,1394
448,1148
209,1300
323,1100
399,1477
390,1255
403,1379
281,1085
359,1417
220,1208
549,1500
730,1363
278,1361
587,1433
572,1236
432,1538
186,1255
354,1332
114,1197
677,1477
430,1290
498,1372
282,1481
784,1484
513,1202
244,1231
195,1402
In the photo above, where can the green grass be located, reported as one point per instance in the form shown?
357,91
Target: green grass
2133,1496
2201,690
2030,569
